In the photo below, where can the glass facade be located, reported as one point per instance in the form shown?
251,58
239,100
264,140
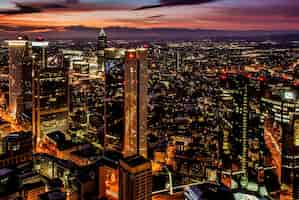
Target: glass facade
114,100
49,94
20,100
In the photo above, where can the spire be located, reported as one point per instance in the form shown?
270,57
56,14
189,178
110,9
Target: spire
102,33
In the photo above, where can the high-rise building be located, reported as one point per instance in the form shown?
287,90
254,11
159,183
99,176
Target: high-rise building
102,44
178,61
235,121
126,101
114,99
20,78
135,179
290,156
244,107
281,137
49,93
135,90
85,99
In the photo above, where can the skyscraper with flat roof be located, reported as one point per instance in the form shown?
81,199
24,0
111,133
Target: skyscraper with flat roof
20,77
126,101
135,90
114,99
49,88
135,178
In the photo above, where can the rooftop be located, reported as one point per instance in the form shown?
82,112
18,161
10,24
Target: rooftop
134,161
111,159
5,171
53,195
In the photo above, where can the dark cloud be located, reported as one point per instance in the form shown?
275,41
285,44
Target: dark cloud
167,3
155,16
288,11
20,9
23,29
64,5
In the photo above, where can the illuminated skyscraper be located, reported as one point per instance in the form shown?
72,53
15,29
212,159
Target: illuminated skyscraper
290,156
135,102
114,99
235,102
20,100
126,101
135,179
102,44
49,93
244,130
290,148
143,100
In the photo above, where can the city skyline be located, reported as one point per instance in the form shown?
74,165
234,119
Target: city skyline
149,100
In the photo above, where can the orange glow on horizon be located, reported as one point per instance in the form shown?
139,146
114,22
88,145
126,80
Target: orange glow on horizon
57,20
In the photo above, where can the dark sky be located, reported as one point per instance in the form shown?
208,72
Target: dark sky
45,15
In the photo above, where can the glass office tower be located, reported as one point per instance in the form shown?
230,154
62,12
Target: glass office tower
20,101
49,93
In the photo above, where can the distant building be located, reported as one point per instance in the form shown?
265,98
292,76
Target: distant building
135,179
102,44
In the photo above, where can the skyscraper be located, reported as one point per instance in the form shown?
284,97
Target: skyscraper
290,156
49,93
114,99
135,178
126,101
178,61
102,44
20,100
244,163
135,102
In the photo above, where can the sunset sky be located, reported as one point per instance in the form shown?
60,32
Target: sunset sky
42,15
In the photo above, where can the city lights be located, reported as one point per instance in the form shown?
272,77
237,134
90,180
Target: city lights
126,113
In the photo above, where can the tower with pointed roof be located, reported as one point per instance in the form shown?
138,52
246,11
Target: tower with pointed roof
102,44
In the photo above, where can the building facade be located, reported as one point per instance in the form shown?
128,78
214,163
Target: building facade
102,44
49,89
135,179
20,101
135,89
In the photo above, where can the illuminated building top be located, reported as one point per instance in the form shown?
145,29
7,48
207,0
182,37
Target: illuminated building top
40,44
17,42
102,33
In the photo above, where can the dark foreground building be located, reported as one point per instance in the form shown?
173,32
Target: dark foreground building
135,179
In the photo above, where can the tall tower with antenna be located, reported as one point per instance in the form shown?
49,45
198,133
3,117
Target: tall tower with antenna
102,44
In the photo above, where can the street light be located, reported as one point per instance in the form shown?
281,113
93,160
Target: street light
170,185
